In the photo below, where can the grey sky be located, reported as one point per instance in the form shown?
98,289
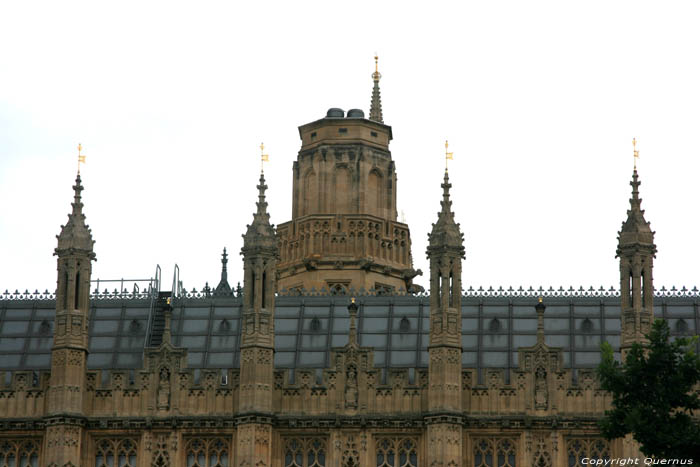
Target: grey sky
540,101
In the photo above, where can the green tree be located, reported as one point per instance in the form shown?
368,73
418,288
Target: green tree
654,395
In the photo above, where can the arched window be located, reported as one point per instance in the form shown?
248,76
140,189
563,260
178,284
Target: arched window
305,452
120,452
397,452
309,194
19,452
64,289
494,452
207,452
374,193
578,449
342,190
77,289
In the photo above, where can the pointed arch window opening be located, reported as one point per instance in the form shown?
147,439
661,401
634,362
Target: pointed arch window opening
263,289
65,289
451,290
643,289
251,301
77,289
631,287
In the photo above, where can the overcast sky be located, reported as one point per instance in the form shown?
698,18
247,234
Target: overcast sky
170,100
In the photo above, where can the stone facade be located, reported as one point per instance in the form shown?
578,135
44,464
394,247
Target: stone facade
349,413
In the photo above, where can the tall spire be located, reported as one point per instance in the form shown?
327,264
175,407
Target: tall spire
446,232
375,110
75,235
260,232
635,225
223,288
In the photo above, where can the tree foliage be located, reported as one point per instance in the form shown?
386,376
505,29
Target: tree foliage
654,395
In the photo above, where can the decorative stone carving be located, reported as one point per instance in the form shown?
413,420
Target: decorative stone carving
351,456
351,393
541,392
164,389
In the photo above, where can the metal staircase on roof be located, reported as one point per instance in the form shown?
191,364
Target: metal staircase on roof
160,301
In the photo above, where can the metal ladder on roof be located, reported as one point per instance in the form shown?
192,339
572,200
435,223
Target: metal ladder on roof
159,302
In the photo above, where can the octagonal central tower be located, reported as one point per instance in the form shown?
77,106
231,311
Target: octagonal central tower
344,234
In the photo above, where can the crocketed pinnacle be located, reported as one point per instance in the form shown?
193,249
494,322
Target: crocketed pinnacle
375,110
636,230
446,232
223,288
260,233
75,235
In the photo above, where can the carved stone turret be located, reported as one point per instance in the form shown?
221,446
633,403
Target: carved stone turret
70,344
257,338
636,250
445,252
344,232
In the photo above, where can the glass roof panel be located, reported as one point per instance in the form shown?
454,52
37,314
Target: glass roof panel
11,344
9,328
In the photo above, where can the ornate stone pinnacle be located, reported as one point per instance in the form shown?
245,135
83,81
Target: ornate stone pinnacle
375,109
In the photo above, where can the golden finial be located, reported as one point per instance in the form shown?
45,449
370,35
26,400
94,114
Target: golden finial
376,75
81,157
635,151
448,155
263,157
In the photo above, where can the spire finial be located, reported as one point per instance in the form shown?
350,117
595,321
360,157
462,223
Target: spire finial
376,76
375,109
167,312
635,152
448,155
224,260
81,157
540,320
263,157
223,288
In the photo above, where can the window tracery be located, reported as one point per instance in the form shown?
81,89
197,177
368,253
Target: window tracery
207,452
397,452
578,449
19,453
494,452
305,452
119,452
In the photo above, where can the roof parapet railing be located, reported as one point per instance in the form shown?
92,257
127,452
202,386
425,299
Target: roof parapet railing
122,291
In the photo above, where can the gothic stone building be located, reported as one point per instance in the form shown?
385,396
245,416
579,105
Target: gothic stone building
328,356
